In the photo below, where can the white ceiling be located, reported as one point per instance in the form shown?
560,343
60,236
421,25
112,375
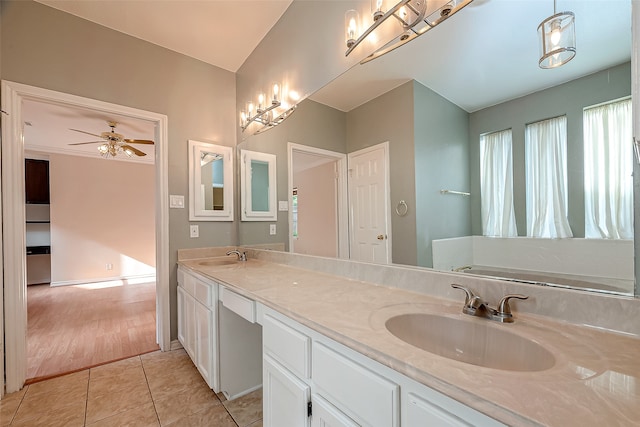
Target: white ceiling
48,129
482,56
219,32
488,53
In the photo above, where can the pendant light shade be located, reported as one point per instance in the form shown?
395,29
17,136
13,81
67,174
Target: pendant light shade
557,36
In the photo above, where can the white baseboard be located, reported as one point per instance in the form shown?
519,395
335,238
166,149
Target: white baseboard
110,281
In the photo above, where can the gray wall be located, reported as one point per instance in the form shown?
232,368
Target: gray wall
441,162
312,124
570,99
47,48
389,117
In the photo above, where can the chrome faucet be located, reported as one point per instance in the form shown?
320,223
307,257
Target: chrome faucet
242,256
475,306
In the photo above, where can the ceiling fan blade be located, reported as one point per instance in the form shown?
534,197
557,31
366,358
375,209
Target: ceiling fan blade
88,133
138,141
92,142
133,150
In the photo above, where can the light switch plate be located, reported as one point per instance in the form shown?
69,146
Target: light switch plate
283,205
272,229
194,231
176,202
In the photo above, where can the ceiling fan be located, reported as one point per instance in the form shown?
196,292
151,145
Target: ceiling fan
112,143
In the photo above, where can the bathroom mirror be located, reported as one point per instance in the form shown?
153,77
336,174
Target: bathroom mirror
431,214
258,195
210,182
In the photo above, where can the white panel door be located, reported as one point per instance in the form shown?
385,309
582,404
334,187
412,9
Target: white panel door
369,204
285,397
327,415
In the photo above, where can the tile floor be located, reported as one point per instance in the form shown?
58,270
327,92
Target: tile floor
154,389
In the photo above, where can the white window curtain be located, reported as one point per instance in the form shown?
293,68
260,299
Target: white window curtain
496,185
546,178
608,168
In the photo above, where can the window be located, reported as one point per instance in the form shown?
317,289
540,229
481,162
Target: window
546,178
496,185
608,168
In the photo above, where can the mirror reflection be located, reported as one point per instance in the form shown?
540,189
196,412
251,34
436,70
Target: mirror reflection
210,182
258,186
436,156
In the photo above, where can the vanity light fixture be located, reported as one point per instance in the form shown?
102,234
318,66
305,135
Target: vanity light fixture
557,36
270,111
413,16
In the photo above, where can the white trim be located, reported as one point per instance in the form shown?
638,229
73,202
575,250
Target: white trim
387,193
13,95
130,280
196,204
343,206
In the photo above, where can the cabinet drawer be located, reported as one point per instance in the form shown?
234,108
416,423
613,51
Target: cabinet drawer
363,395
203,292
240,305
288,346
188,282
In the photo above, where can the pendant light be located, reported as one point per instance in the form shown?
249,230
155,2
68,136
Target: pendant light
557,36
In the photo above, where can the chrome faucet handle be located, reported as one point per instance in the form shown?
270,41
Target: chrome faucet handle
470,296
504,309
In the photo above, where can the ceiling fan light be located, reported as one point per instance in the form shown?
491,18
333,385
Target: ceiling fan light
103,149
557,36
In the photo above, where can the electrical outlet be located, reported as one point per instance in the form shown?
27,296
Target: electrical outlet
194,231
109,266
272,229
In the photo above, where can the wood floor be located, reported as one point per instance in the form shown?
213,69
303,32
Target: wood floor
76,327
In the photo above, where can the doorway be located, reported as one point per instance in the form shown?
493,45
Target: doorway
318,219
13,240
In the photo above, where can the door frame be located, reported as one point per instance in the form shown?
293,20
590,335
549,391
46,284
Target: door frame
387,194
342,205
13,219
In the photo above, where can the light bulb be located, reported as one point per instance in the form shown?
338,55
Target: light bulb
260,101
250,109
276,94
351,19
556,32
377,11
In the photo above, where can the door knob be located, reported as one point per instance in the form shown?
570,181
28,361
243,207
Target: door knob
380,236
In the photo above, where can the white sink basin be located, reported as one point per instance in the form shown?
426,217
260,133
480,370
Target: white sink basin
220,261
473,342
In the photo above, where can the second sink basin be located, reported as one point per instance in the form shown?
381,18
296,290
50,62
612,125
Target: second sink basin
472,342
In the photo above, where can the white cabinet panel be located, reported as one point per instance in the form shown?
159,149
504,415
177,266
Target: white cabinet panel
288,346
181,318
240,305
190,325
206,354
285,397
422,413
327,415
362,394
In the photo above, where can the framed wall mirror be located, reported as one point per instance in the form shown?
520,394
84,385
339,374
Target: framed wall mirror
210,182
258,186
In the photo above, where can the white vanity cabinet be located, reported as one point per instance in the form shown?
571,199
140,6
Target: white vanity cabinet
306,373
198,323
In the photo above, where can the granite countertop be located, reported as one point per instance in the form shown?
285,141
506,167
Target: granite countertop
595,380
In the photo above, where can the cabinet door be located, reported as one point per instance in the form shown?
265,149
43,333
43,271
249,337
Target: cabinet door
36,181
285,397
327,415
182,336
190,325
421,412
206,361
